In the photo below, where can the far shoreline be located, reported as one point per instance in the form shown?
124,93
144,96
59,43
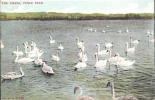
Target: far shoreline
74,16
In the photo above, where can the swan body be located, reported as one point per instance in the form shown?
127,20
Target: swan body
60,47
80,65
38,62
47,69
126,63
51,40
100,63
103,31
129,50
23,60
81,97
128,97
12,75
56,57
109,45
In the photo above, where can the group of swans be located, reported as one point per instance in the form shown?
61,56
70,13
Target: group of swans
82,55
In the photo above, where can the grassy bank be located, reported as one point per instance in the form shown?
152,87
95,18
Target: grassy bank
72,16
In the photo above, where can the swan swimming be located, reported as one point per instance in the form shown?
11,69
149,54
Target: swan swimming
47,69
81,97
100,63
51,40
135,42
129,50
80,65
80,44
56,57
60,47
82,56
13,75
23,60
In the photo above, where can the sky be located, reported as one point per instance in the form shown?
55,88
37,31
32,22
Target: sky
82,6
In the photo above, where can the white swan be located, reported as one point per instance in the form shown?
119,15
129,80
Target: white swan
109,45
47,69
80,97
135,42
127,30
51,40
60,47
103,31
80,65
38,61
129,50
13,75
2,45
56,57
101,52
128,97
23,60
100,63
20,53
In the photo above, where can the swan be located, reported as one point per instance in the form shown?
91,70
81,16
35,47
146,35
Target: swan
2,45
47,69
13,75
81,97
100,63
107,26
80,65
51,40
127,30
82,56
129,50
101,52
38,61
119,31
23,60
103,31
135,42
128,97
20,53
60,47
109,45
56,57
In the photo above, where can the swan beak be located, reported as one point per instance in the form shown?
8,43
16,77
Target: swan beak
75,89
108,84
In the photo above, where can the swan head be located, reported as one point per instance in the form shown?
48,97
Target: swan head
108,84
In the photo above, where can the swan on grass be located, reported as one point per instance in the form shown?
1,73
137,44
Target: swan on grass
51,40
128,97
100,63
101,52
20,53
47,69
81,97
13,75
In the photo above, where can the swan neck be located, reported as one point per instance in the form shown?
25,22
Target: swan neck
21,70
113,91
96,57
98,46
16,58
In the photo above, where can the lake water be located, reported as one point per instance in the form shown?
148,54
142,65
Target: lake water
138,80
